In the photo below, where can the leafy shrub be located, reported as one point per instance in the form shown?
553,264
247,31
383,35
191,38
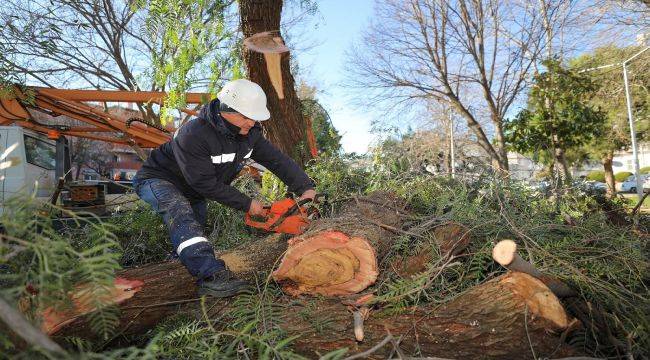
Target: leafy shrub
596,175
621,176
272,187
338,176
645,170
142,234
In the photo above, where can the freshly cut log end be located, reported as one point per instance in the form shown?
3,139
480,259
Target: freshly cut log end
328,263
504,252
84,303
275,72
541,303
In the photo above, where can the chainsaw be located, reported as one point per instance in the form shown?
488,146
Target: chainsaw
284,216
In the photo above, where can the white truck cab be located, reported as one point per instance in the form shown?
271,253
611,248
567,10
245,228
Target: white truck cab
30,167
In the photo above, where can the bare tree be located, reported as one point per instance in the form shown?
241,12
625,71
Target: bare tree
108,44
473,55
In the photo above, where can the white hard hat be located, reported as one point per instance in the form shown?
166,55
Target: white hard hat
246,97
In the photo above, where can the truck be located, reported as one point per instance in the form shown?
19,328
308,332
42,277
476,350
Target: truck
30,163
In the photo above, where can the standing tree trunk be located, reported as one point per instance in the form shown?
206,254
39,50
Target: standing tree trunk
559,158
609,174
286,130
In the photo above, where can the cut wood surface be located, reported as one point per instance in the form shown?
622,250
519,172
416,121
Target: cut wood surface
340,255
505,253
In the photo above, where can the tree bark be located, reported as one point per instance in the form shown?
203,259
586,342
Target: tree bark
509,317
607,161
287,128
147,294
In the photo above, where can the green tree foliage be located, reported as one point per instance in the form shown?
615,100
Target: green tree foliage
622,176
558,117
174,45
327,137
608,94
43,265
186,32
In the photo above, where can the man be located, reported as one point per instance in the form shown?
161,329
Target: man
199,163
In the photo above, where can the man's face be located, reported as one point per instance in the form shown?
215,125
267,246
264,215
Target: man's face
242,122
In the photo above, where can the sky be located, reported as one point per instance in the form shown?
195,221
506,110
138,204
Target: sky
339,24
335,28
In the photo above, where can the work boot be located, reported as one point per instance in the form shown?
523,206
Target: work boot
222,284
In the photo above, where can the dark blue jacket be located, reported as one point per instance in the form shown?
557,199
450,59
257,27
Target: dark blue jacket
204,157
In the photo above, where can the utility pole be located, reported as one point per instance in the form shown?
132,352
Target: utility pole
451,145
630,116
635,151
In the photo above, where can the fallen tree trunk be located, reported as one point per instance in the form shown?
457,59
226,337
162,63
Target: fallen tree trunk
503,318
147,294
512,317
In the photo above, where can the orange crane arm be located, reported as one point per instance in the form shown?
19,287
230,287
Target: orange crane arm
102,125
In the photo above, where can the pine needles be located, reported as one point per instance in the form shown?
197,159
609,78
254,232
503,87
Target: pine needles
41,267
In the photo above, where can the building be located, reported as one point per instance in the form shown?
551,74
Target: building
522,167
624,160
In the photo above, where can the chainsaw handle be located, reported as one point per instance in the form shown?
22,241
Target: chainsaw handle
248,219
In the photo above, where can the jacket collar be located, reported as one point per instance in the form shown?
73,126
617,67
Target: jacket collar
211,114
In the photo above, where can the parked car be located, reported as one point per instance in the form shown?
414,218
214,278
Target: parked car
590,186
597,186
629,185
646,184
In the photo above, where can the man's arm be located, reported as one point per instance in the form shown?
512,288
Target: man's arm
193,158
282,166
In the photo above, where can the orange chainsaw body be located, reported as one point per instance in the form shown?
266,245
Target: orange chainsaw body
284,216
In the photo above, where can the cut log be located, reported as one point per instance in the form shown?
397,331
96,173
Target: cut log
505,253
506,318
147,294
452,239
339,256
592,316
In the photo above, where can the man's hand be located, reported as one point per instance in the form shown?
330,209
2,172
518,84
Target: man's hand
309,194
256,208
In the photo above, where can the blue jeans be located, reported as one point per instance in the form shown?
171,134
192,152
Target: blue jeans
185,221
